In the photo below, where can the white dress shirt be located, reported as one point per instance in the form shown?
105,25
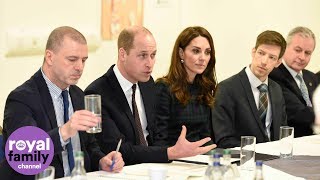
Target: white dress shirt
126,87
57,100
255,82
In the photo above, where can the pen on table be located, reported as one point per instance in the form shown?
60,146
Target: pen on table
114,159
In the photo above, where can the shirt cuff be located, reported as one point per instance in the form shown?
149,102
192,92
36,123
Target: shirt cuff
63,143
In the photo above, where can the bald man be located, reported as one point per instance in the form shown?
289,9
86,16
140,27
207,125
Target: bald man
40,102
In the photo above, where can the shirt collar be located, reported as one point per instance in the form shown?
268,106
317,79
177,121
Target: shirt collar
124,83
291,71
254,81
54,90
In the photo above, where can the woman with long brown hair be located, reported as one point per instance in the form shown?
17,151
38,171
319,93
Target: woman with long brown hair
185,95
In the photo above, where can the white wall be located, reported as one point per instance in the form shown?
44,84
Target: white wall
233,24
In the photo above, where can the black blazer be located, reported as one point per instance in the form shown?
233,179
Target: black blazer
118,121
235,113
318,76
300,116
171,115
31,105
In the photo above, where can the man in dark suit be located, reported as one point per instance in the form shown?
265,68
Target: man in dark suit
297,83
127,93
39,102
249,103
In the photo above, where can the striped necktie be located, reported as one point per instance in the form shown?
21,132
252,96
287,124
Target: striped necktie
136,117
263,102
304,90
65,97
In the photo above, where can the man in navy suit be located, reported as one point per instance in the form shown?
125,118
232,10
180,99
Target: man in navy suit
39,102
249,103
127,93
297,83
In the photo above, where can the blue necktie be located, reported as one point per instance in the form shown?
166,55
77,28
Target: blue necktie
66,118
304,90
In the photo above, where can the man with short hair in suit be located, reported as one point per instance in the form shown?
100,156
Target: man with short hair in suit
249,103
127,94
297,83
40,102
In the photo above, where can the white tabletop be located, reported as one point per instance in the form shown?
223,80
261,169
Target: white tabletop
309,145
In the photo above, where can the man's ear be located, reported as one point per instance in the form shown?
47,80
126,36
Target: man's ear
181,54
122,54
253,51
48,57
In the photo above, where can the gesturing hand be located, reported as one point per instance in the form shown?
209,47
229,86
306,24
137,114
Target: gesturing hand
184,148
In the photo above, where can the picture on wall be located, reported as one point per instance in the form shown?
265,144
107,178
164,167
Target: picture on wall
118,14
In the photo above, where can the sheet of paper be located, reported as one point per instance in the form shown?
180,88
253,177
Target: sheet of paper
202,159
175,169
107,175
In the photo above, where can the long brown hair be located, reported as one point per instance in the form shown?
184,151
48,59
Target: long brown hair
177,75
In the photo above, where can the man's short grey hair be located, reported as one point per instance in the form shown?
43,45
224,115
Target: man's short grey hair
303,31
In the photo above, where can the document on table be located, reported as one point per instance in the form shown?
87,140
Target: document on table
199,159
176,170
107,175
202,159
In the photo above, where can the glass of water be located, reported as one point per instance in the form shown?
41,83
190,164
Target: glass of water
247,153
92,103
47,174
286,142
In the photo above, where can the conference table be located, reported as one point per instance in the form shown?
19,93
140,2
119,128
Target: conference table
308,146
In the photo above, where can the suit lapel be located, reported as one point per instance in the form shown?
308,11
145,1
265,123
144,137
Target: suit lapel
46,99
247,88
309,83
147,90
291,82
274,109
47,102
120,99
77,100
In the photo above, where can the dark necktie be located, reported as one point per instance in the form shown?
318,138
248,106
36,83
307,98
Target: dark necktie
136,117
304,90
66,118
263,102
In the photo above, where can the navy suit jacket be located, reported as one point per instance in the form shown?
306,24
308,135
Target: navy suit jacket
235,113
300,116
31,105
118,121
